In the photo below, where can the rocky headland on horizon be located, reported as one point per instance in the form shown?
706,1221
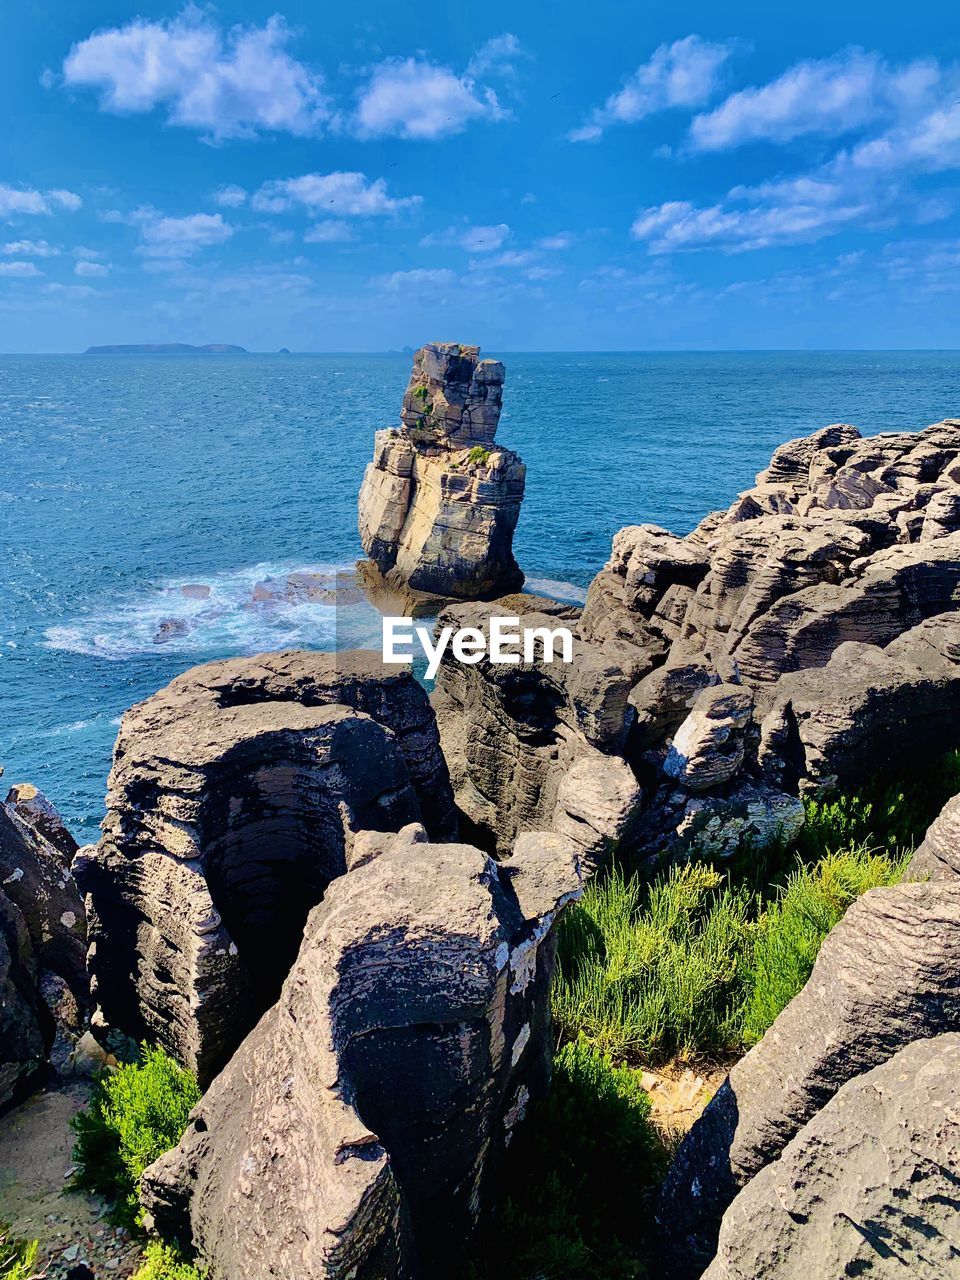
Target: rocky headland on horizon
338,901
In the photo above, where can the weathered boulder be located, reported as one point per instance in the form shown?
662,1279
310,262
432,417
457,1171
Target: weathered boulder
708,748
31,806
35,877
676,823
233,800
440,501
938,857
868,1185
888,974
536,745
357,1131
24,1031
636,603
864,713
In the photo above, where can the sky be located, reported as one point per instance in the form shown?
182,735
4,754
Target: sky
339,177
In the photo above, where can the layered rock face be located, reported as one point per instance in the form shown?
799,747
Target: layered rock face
536,744
868,1187
43,988
888,975
803,640
357,1130
440,500
234,799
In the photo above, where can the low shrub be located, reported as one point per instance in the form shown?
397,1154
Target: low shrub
17,1257
689,967
164,1263
136,1113
652,972
478,454
790,931
579,1170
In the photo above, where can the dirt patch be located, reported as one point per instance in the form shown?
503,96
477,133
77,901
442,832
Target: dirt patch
678,1096
36,1164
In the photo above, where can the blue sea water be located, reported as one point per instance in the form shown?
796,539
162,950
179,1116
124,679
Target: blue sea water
126,477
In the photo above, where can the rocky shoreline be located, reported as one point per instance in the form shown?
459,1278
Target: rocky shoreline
337,900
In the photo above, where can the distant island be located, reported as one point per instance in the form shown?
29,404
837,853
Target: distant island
167,348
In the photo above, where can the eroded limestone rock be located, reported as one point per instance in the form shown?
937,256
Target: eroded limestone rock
233,801
867,1187
887,975
536,745
938,857
440,500
357,1130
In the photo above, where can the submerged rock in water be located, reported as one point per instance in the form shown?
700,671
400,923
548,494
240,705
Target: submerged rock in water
233,802
440,500
171,629
357,1131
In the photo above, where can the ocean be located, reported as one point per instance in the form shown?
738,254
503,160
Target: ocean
125,478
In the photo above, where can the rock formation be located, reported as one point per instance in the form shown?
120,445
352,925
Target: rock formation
938,857
440,500
233,802
536,744
888,975
357,1130
868,1187
43,986
801,641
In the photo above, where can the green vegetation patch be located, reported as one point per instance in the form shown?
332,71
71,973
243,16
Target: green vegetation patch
164,1263
574,1205
17,1257
479,455
136,1113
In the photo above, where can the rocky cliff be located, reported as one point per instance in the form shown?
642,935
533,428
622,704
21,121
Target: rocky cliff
234,799
441,499
357,1130
801,641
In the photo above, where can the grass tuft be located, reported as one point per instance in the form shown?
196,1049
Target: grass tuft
164,1263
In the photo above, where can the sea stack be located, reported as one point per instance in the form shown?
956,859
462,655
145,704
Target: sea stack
440,500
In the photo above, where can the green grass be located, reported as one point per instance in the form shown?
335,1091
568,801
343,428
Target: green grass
581,1168
136,1113
164,1263
478,454
791,929
689,967
17,1257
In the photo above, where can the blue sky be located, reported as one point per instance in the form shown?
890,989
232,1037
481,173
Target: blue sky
527,176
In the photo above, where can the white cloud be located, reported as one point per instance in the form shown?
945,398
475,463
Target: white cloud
86,268
228,83
680,225
29,249
828,97
343,194
26,200
19,270
69,291
178,238
476,239
81,251
231,196
683,74
554,243
332,231
419,280
411,98
929,144
498,56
